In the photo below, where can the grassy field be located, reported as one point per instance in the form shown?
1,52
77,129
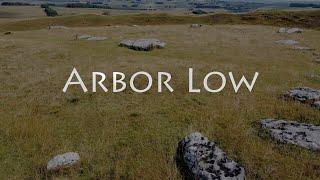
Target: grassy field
306,19
134,136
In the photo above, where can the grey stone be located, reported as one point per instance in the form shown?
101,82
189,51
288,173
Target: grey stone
58,27
287,42
63,161
199,158
84,36
142,44
290,30
93,38
196,25
304,95
291,132
303,48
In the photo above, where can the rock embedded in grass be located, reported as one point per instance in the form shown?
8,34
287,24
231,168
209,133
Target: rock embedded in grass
61,161
196,25
291,132
93,38
58,27
289,30
90,38
84,36
287,42
199,158
305,95
303,48
142,44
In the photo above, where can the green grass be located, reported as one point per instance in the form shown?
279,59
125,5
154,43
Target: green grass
307,19
134,136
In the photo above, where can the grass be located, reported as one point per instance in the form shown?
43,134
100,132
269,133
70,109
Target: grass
134,136
306,19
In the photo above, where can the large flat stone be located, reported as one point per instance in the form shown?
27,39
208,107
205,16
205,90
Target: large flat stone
304,95
290,30
199,158
142,44
291,132
287,42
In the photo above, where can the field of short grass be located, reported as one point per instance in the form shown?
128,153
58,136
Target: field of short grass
134,136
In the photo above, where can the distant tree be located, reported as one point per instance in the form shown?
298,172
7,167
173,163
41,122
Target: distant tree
15,4
303,5
86,5
50,12
47,5
199,11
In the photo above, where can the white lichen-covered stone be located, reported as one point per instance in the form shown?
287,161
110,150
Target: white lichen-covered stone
63,161
291,132
287,42
198,158
142,44
304,95
303,48
58,27
84,36
289,30
93,38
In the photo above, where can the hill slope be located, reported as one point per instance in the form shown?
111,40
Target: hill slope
306,19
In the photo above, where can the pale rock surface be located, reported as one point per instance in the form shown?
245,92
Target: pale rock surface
199,158
291,132
290,30
196,25
304,95
58,27
287,42
63,161
142,44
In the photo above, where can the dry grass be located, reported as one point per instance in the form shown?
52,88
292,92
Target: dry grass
134,136
306,19
21,12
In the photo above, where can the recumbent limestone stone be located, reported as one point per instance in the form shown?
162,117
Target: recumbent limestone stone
142,44
289,30
305,95
63,161
291,132
199,158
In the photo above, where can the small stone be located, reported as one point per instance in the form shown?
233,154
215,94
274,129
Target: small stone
287,42
84,36
96,38
199,158
196,25
291,132
58,27
303,48
289,30
63,161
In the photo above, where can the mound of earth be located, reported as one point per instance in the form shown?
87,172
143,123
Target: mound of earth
291,132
